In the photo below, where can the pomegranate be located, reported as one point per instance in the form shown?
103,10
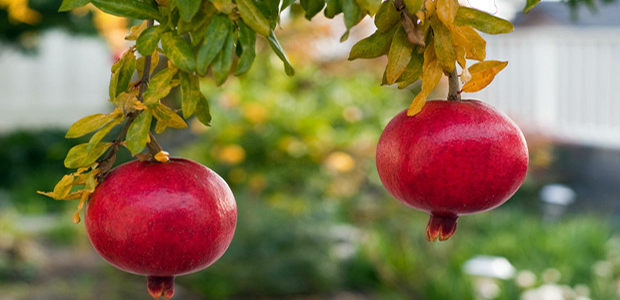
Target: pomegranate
451,159
161,220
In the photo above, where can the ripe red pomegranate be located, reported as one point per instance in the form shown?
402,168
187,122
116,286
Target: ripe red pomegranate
451,159
161,220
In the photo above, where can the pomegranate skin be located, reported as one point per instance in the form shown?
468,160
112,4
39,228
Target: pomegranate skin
451,159
161,219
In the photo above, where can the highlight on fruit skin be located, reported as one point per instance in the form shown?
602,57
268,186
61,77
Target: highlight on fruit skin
451,159
161,220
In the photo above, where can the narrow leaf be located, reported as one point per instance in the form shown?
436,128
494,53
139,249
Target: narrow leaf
101,133
352,13
159,86
529,5
413,71
125,72
216,36
446,11
189,84
148,40
223,61
203,112
247,40
398,56
134,9
444,48
482,74
167,117
87,124
68,5
188,8
387,16
178,51
277,49
138,133
253,17
482,21
332,8
63,187
312,7
468,38
79,156
375,45
431,74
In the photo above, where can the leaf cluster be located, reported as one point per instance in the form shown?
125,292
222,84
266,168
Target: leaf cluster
425,39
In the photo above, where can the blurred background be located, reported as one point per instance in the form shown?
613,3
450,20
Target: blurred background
314,220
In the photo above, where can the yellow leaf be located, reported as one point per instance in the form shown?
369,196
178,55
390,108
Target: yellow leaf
468,38
446,11
482,74
88,124
167,117
135,31
431,74
63,187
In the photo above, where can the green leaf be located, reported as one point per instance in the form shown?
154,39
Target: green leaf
413,5
482,21
166,117
202,111
159,86
188,8
79,156
529,5
412,72
369,6
178,51
247,40
101,133
312,7
224,6
398,56
148,40
444,48
253,17
68,5
332,8
277,48
375,45
217,33
125,72
223,61
138,133
190,88
135,9
88,124
387,16
352,13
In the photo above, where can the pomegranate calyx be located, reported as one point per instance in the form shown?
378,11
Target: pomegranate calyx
440,226
160,286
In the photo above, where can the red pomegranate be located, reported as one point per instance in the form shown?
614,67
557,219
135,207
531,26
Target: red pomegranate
161,220
451,159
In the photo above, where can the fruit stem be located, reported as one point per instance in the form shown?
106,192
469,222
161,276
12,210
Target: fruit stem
160,286
454,88
442,227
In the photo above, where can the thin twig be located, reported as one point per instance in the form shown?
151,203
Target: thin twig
454,88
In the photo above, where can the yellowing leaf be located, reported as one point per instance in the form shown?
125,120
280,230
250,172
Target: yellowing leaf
444,48
471,41
398,56
79,156
482,74
431,74
166,117
413,5
482,21
88,124
225,6
159,86
63,187
446,11
135,31
179,51
412,72
253,17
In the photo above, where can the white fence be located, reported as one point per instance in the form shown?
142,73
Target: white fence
563,80
65,81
